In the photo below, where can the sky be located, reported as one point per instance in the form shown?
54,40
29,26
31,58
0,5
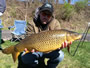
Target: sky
62,1
72,1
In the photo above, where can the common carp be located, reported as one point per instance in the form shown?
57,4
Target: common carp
43,42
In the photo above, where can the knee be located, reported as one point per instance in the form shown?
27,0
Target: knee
60,57
29,59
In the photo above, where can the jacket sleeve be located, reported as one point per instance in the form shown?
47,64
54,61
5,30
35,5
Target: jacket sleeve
30,29
57,25
2,6
54,25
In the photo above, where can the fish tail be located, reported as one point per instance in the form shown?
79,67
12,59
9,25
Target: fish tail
68,48
15,55
11,50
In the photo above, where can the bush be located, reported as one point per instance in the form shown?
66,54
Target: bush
81,5
67,11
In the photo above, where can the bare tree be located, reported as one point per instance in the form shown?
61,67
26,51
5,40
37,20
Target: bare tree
49,0
56,1
69,1
64,0
43,1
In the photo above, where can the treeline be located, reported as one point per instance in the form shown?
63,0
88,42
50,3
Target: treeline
16,8
54,1
43,1
26,10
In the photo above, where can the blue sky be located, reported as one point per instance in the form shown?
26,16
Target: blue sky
72,1
62,2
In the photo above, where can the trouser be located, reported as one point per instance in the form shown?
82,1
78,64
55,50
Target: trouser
36,59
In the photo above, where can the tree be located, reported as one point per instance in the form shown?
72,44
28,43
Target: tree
43,1
49,0
69,1
56,1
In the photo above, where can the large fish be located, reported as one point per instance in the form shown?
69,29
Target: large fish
43,42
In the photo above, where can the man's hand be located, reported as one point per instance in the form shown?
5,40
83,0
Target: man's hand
66,44
33,50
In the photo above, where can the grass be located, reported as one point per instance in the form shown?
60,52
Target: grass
80,60
6,61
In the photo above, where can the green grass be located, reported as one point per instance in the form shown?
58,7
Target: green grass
6,61
80,60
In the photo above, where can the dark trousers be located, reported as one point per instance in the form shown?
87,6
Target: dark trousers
36,59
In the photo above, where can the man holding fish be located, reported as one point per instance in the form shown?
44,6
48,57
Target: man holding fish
45,21
45,40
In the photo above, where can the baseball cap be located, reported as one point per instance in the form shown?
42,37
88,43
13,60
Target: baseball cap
47,6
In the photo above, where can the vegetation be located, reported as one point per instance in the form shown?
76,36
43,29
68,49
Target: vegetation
80,60
79,6
67,11
76,16
72,17
6,60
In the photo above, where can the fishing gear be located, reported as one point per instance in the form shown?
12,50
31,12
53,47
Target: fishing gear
83,38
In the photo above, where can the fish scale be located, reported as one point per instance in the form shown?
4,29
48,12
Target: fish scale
44,42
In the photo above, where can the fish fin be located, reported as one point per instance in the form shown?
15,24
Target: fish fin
68,48
8,50
15,55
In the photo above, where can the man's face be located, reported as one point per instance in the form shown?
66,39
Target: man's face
45,17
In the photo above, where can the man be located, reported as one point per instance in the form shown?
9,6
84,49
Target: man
44,21
2,6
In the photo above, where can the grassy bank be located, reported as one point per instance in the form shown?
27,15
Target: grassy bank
72,17
80,60
6,61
